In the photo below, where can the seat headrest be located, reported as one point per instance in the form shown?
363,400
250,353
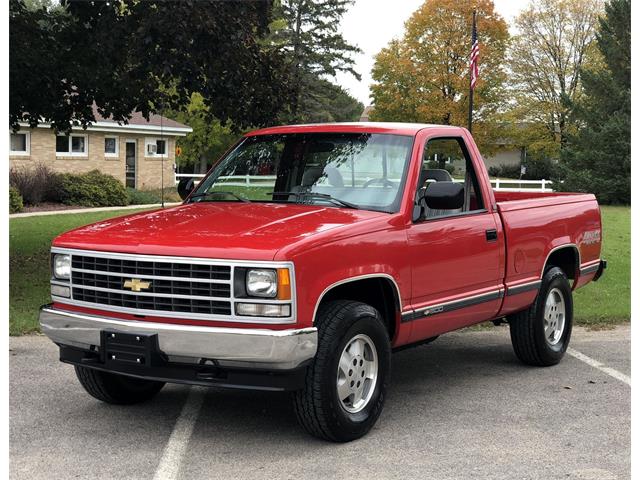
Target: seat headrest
437,174
434,174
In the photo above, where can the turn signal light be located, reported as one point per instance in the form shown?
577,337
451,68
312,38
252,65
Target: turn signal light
284,284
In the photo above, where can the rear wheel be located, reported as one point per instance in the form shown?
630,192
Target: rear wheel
540,335
117,389
345,386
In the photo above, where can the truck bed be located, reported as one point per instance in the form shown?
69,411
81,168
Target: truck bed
535,225
508,201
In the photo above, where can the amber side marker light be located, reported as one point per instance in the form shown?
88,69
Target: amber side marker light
284,284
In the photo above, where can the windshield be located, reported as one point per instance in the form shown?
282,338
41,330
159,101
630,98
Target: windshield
361,170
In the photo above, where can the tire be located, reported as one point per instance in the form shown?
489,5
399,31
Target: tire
533,344
345,328
116,389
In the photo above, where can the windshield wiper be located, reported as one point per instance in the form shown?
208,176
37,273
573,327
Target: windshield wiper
322,196
217,192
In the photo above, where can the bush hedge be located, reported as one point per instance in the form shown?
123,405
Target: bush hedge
15,200
92,189
36,185
142,197
537,169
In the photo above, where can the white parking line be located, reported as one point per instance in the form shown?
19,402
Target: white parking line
176,447
600,366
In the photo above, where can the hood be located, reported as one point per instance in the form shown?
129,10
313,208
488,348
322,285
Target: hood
228,230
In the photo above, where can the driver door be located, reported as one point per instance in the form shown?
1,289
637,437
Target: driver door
456,254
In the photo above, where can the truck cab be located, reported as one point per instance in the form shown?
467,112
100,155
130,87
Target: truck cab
305,257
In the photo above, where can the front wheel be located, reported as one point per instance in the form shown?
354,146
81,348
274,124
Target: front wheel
540,335
345,386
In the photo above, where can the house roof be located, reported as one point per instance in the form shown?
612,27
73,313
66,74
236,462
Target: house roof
137,119
366,113
157,124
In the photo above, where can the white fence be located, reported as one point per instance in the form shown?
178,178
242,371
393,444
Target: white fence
515,185
499,184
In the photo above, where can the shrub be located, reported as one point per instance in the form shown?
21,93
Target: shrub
431,164
35,185
537,169
142,197
505,171
494,171
15,200
92,189
145,197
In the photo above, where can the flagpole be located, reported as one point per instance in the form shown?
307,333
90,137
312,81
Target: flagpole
470,105
470,123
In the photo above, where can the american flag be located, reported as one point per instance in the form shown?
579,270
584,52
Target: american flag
475,53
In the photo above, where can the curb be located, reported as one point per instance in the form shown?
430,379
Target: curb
89,210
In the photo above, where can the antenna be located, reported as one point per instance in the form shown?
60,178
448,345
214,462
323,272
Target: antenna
166,152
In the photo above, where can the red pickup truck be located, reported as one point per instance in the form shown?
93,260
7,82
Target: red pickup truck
305,257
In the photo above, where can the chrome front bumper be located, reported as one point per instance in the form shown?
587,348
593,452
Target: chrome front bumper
232,347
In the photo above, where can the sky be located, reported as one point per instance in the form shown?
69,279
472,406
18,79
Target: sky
371,24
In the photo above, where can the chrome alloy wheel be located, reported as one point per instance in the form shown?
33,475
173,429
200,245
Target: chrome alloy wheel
554,316
357,373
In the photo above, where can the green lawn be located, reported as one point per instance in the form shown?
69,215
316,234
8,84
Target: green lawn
604,302
29,244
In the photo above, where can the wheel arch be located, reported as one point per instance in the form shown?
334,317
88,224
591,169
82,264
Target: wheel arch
567,258
378,290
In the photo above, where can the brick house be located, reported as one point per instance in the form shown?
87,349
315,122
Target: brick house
136,153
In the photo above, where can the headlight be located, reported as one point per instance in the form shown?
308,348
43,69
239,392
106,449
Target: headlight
62,266
262,283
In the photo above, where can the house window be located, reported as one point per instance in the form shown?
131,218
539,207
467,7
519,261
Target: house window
110,146
155,147
20,143
71,145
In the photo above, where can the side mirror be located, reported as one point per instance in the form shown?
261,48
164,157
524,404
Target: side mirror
185,187
444,196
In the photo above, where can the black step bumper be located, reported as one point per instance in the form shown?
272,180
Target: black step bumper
149,364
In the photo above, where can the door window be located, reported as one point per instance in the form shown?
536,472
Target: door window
447,160
130,165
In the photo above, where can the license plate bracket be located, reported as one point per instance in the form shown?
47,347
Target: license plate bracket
126,348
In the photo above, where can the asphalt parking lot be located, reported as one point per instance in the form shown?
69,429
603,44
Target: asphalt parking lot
461,407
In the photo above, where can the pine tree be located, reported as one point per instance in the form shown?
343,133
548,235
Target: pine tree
598,157
307,33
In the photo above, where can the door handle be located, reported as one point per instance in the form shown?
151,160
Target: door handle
491,235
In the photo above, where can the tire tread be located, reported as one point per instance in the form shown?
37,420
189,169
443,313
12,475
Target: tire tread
522,327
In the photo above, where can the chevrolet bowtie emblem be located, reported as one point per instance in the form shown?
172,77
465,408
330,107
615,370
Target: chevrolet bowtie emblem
136,285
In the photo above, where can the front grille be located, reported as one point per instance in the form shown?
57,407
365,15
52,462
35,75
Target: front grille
168,286
173,287
156,269
166,304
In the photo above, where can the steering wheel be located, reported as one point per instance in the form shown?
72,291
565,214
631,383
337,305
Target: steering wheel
384,181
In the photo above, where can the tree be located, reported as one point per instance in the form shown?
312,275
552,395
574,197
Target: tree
598,158
126,55
424,77
306,32
322,101
554,42
209,139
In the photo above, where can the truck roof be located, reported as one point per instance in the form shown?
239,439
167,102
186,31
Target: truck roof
351,127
